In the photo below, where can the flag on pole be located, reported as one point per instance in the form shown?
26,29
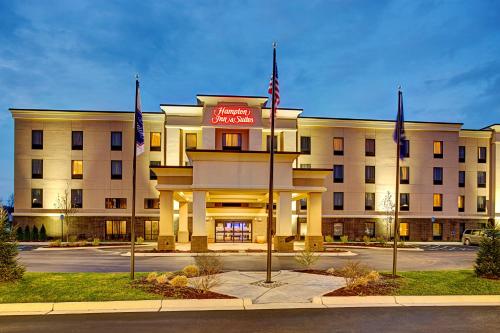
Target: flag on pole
276,86
139,126
399,130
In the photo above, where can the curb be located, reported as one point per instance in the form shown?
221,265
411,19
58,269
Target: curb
12,309
238,254
414,249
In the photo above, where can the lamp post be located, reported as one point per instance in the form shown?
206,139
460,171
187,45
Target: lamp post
61,217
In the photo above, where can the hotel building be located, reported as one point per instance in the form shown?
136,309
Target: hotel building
204,175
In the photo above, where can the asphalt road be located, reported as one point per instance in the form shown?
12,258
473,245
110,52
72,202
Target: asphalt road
396,319
94,260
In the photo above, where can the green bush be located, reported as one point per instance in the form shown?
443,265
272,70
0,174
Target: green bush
306,258
10,269
344,239
34,233
96,242
488,257
139,240
366,239
43,234
19,234
328,239
27,233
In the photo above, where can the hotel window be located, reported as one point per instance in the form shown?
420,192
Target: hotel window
151,203
369,201
437,202
155,141
461,179
406,147
481,155
438,176
404,230
116,230
305,144
481,203
305,165
303,204
338,200
116,169
461,203
37,139
36,198
404,175
77,140
438,149
370,174
76,198
404,201
116,203
370,229
76,169
275,143
437,231
191,141
461,154
338,230
338,146
37,169
481,179
152,175
151,229
370,147
338,173
232,141
116,141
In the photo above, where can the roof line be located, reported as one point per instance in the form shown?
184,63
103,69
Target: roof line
65,110
244,96
382,120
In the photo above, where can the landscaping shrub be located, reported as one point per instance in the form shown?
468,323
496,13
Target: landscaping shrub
179,281
191,270
382,241
344,239
27,233
72,238
152,277
139,240
366,239
331,271
96,242
306,258
328,239
43,234
81,243
161,279
55,243
488,257
208,264
355,274
10,269
34,233
19,234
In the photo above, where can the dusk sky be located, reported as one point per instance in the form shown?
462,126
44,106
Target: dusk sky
335,58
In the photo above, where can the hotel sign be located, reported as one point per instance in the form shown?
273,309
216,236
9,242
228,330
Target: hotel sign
232,115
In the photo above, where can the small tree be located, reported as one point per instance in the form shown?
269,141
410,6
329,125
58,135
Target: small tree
65,207
488,257
27,233
10,269
43,233
388,207
34,234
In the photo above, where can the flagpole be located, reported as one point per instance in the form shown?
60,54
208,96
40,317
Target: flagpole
271,174
396,208
134,164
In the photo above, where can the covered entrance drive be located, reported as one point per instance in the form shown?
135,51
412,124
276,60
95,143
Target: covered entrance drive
224,194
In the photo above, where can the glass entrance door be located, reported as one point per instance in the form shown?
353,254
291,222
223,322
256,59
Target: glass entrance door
233,232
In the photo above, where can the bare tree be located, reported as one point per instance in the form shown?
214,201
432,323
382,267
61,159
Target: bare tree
65,207
10,201
388,207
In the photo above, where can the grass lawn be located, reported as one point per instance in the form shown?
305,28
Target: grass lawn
463,282
72,287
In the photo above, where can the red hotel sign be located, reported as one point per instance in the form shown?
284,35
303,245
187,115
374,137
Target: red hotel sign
232,115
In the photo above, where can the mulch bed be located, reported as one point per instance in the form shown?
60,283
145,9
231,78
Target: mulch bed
168,291
329,250
383,287
387,245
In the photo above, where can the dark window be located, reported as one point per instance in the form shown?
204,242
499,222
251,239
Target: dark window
152,175
481,179
151,203
481,203
404,201
275,142
338,146
232,141
438,176
481,155
77,169
338,200
37,139
370,174
370,229
305,165
116,203
155,141
369,201
338,173
461,203
77,140
461,154
191,141
406,148
116,169
461,179
438,149
404,175
116,141
437,202
370,147
37,169
303,204
76,198
36,198
305,144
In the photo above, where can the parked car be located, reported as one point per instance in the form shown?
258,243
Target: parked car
474,236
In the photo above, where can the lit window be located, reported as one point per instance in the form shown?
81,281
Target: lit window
481,203
369,201
116,230
437,202
231,141
305,144
116,169
151,229
404,230
76,169
76,140
116,203
155,141
438,149
116,141
338,200
481,179
36,198
404,175
438,176
481,155
461,203
370,147
191,140
76,198
338,173
338,146
437,231
37,139
37,169
305,165
370,174
151,203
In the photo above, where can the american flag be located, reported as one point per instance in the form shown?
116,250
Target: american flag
399,130
139,126
276,85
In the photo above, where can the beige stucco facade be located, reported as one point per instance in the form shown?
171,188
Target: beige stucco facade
212,171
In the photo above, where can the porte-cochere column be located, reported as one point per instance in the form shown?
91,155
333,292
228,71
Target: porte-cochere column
283,223
166,236
199,239
314,236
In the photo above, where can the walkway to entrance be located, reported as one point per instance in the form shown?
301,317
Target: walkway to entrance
297,246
